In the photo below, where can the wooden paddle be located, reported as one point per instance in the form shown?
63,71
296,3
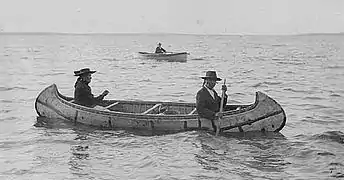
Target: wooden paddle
221,110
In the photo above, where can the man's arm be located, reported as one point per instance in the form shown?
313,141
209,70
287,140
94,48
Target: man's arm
101,97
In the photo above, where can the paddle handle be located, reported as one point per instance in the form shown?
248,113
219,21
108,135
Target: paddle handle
221,109
222,97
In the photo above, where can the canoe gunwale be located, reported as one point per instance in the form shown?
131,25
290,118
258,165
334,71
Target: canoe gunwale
251,121
241,110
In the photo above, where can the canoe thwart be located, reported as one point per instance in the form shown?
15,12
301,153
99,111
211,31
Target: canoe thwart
193,111
152,108
111,105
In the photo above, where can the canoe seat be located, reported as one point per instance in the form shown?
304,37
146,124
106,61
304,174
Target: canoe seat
150,109
111,105
193,111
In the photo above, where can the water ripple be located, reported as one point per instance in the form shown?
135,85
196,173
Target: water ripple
334,136
12,88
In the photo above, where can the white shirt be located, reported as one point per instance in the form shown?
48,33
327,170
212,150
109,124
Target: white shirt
211,92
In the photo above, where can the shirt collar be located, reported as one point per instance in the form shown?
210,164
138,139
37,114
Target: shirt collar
211,92
208,88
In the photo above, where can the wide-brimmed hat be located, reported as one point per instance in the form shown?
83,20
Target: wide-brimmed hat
83,71
159,43
211,75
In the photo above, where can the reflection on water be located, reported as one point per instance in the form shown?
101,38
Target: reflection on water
79,156
262,153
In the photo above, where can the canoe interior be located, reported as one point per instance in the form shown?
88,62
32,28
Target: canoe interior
153,107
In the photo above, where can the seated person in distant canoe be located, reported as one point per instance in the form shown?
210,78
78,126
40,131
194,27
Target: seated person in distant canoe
207,101
159,49
82,93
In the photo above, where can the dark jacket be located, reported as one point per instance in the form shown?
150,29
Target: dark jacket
206,105
159,50
83,95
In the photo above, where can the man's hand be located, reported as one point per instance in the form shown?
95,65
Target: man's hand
224,88
106,92
219,115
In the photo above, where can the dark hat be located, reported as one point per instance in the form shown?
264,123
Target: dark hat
211,75
83,71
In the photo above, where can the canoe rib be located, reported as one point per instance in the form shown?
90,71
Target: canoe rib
265,114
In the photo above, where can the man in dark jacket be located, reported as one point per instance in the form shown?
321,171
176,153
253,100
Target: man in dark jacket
159,49
83,93
207,100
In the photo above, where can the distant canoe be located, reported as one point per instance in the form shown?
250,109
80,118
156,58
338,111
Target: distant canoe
265,114
175,57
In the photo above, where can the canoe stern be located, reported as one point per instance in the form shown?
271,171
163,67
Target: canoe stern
264,115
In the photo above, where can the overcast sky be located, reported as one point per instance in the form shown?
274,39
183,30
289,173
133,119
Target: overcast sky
173,16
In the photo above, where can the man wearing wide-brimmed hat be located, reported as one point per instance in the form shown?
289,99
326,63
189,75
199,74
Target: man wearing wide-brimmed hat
83,93
159,49
207,101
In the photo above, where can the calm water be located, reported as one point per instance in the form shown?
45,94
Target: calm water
305,74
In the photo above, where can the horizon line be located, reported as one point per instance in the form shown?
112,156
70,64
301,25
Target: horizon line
155,33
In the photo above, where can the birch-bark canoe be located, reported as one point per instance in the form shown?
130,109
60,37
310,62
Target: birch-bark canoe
265,114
